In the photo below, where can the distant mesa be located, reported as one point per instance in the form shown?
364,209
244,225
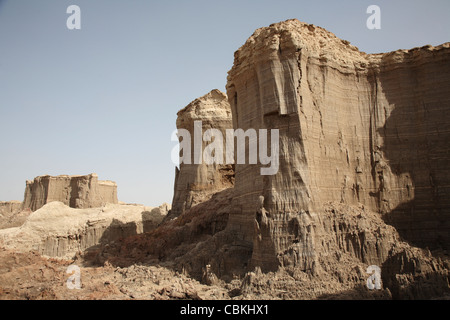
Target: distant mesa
64,215
74,191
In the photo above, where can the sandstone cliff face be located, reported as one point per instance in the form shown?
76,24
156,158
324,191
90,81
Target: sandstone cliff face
74,191
196,182
354,128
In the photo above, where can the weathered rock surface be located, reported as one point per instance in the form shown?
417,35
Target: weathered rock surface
339,245
74,191
56,230
354,128
188,240
322,217
341,172
197,182
8,207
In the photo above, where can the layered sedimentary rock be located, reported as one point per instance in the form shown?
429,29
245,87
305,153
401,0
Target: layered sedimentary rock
11,214
74,191
196,181
353,128
318,221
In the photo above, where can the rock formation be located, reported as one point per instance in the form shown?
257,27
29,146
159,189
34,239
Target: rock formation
362,182
8,207
11,214
344,198
354,128
74,191
56,230
196,182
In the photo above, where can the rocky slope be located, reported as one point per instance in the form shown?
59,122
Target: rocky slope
56,230
8,207
340,245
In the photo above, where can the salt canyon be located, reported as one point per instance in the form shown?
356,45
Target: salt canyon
362,181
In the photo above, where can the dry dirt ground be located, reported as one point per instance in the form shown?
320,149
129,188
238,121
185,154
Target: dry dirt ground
28,276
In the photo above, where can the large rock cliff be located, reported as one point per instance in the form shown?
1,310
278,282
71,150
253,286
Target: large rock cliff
354,128
74,191
362,179
362,174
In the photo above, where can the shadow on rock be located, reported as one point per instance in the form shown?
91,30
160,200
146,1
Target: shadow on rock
116,231
413,274
359,292
417,147
183,244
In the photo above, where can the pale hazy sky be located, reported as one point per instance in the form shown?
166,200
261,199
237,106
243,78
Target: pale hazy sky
104,98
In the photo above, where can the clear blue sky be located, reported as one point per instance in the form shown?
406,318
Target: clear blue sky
104,98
